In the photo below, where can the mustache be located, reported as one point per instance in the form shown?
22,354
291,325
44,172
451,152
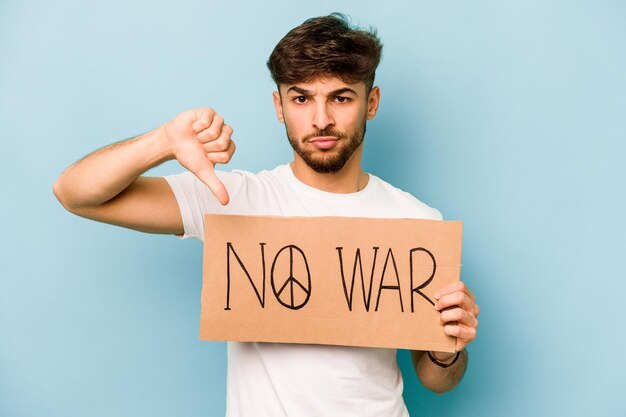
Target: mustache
323,133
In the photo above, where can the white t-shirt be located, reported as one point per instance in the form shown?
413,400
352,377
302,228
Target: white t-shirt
274,379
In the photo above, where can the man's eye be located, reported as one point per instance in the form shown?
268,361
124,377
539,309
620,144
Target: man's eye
342,99
300,99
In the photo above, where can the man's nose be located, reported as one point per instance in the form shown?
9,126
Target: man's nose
322,117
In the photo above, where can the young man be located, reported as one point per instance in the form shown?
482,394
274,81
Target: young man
324,71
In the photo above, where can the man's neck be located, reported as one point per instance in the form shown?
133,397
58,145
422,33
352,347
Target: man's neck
350,179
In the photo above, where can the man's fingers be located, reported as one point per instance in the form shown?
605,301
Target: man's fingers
460,331
222,157
458,315
206,174
212,149
203,168
203,119
458,298
219,144
213,131
205,171
459,312
199,125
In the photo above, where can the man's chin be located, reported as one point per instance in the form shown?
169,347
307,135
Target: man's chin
329,165
326,161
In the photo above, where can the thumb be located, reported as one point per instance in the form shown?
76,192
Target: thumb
207,175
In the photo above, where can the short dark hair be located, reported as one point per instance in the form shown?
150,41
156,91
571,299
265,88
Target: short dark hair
326,46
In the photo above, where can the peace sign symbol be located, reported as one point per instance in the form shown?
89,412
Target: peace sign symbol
291,282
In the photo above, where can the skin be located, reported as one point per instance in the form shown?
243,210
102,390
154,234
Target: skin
108,185
322,104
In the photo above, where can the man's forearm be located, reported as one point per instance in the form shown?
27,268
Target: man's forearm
105,173
435,377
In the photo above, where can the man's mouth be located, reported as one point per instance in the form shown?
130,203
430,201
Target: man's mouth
323,142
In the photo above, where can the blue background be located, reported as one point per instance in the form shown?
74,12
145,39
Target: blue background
508,115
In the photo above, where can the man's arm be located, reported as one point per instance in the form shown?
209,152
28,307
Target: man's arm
435,377
439,371
106,185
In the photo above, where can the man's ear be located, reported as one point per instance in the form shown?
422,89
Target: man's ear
278,105
373,100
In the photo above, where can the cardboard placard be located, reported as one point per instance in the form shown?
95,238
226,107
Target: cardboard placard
328,280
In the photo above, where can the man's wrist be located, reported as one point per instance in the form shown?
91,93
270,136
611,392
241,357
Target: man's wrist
161,145
443,359
443,356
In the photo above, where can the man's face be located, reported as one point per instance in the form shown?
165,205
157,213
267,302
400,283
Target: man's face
325,120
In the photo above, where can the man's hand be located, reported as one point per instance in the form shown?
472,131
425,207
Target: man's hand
199,139
459,315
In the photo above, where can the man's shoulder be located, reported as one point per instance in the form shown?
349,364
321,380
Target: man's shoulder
404,202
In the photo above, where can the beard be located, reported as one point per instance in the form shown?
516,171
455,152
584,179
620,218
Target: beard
328,161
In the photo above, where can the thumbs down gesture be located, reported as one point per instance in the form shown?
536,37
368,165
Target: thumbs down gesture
199,139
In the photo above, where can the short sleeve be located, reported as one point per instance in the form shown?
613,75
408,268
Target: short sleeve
195,199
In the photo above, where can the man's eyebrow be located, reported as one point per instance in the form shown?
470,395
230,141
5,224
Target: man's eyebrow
342,91
299,90
331,94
